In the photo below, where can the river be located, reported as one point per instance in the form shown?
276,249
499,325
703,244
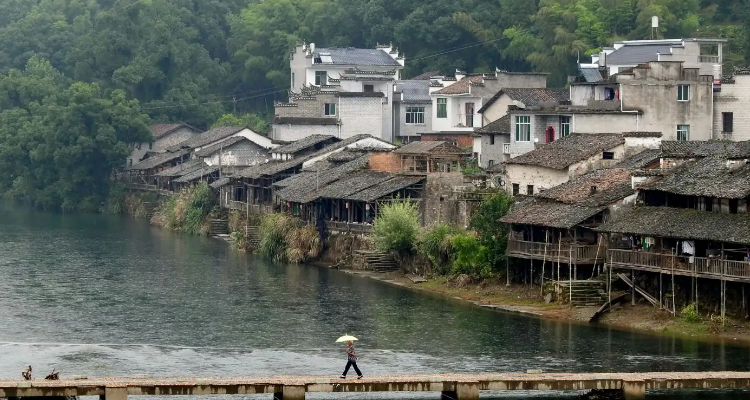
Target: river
96,295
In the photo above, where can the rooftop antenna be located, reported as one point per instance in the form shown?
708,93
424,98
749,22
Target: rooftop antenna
654,27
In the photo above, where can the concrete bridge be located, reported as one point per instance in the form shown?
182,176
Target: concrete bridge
454,386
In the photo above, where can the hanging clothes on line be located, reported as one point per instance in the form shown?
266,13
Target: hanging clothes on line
688,247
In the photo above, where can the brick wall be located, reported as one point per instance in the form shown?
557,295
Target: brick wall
466,140
387,162
734,98
362,115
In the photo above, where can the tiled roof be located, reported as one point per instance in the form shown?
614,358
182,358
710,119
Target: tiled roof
385,188
162,129
207,137
304,187
642,134
302,144
640,160
591,74
595,189
569,150
681,224
208,150
430,147
414,91
352,56
157,160
197,174
360,94
306,121
219,183
182,169
549,213
534,96
462,86
709,177
353,183
425,76
637,54
691,149
499,126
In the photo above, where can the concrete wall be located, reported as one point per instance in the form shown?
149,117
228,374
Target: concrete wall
240,154
313,107
487,151
541,177
363,115
439,203
734,98
290,133
596,162
496,110
404,129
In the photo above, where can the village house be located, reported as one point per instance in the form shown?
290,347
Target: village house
555,163
491,143
556,225
339,91
703,54
431,156
732,107
412,109
691,219
165,135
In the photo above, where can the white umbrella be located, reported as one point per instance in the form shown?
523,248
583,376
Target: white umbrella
346,338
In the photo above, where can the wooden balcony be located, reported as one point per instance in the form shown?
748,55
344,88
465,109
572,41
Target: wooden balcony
566,253
711,268
242,206
348,227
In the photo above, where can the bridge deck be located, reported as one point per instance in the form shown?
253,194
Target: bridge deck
462,386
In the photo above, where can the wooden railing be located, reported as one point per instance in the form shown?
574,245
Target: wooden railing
683,265
554,251
348,227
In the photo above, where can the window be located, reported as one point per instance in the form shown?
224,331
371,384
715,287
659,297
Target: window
516,189
321,78
490,163
523,128
683,92
330,109
727,122
530,190
469,107
608,155
683,133
369,88
564,126
415,115
442,107
492,139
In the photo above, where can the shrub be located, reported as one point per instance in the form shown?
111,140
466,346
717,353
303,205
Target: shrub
492,234
396,227
436,245
690,314
471,257
284,238
303,244
187,211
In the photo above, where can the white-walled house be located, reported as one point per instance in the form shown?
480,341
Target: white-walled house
165,135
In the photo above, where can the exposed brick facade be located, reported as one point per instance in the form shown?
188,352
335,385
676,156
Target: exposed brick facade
387,162
459,139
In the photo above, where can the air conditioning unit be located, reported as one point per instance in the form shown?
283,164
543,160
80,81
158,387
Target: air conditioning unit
506,148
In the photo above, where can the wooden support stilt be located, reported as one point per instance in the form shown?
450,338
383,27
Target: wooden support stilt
544,261
559,252
632,289
674,294
661,297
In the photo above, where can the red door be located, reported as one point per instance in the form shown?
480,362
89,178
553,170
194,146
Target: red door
550,134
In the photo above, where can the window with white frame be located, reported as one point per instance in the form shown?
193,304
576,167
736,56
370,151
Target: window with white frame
523,128
564,126
329,110
415,115
683,133
321,78
683,92
442,107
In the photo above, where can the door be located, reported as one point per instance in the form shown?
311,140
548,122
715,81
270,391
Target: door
470,114
550,134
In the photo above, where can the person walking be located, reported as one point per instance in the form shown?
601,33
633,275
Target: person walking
352,358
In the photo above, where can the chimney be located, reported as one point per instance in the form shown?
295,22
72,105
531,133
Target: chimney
312,47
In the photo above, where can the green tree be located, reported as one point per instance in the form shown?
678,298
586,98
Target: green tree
492,234
251,121
396,227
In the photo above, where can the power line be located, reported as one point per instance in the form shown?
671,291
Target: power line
456,49
192,104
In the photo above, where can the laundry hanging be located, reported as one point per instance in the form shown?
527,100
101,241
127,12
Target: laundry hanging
688,247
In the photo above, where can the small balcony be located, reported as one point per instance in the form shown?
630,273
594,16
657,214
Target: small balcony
709,59
566,253
704,267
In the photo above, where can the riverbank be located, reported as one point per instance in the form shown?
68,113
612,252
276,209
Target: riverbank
527,300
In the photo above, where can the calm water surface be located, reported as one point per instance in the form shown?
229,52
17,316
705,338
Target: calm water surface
107,296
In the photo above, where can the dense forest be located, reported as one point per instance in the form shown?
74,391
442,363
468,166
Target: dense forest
81,79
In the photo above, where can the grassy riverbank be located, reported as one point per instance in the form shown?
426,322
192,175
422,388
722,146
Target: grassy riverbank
527,300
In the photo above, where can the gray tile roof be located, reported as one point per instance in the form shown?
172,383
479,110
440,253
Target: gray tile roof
352,56
432,147
709,177
353,183
640,160
207,137
302,144
197,174
499,126
637,54
691,149
304,187
157,160
591,74
306,120
224,144
534,96
385,188
220,182
549,214
414,91
182,169
162,129
425,76
569,150
612,185
681,224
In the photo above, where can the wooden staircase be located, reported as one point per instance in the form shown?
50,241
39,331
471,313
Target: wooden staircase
376,261
252,236
218,227
150,209
583,293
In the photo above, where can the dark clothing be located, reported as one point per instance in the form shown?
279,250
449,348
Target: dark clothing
352,355
349,364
